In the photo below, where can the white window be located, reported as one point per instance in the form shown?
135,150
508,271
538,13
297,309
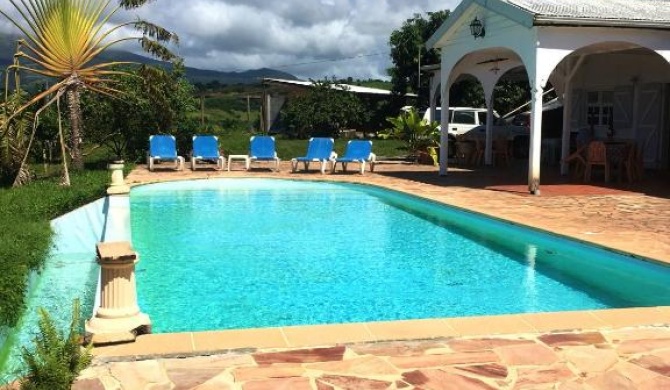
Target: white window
600,107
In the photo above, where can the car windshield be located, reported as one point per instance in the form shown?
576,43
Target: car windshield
467,117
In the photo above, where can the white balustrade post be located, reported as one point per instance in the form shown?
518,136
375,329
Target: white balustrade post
118,185
118,318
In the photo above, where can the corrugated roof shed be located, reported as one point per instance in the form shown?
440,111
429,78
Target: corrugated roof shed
352,88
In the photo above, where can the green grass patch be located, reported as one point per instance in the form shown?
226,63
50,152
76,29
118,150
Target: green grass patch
238,143
25,237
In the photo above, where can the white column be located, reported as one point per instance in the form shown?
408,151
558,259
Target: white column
567,117
444,130
567,112
118,184
488,150
117,213
535,139
433,96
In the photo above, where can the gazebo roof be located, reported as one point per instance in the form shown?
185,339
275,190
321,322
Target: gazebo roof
628,11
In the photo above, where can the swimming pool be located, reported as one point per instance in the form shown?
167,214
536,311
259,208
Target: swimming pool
241,253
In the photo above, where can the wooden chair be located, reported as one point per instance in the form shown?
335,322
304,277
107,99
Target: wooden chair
638,162
501,150
464,152
478,155
596,154
633,164
577,162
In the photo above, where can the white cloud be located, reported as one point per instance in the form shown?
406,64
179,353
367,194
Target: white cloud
308,38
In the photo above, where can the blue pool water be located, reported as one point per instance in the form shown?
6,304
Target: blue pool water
241,253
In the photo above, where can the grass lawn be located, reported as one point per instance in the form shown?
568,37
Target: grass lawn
238,143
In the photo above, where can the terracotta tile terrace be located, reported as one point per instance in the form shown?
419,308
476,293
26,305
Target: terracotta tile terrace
601,349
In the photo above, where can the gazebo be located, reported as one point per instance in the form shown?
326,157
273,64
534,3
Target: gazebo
608,60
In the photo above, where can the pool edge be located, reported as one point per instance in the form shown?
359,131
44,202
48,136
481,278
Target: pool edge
187,344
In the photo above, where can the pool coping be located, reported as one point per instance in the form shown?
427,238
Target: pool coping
213,342
188,344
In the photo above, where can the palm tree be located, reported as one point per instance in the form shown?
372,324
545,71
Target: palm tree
63,39
13,135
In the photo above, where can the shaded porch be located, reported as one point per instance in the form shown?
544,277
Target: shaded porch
513,179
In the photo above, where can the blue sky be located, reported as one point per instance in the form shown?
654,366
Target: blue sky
308,38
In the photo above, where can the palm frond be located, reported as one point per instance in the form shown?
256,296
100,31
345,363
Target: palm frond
157,50
38,97
157,32
130,4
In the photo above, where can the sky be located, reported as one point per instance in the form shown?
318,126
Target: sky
307,38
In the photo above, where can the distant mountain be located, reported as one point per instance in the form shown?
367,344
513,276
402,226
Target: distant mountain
194,75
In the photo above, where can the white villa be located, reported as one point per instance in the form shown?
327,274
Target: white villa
609,61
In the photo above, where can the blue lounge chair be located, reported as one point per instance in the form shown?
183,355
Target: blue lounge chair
163,148
318,150
358,151
206,148
262,148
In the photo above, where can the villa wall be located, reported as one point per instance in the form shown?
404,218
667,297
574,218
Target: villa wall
78,231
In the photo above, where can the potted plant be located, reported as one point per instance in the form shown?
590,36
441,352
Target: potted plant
419,135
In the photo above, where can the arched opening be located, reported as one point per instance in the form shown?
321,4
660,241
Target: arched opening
617,91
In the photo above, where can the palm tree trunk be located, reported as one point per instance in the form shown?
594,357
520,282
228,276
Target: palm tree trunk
74,107
65,180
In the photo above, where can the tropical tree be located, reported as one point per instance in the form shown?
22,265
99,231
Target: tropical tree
154,100
14,135
408,51
326,108
63,39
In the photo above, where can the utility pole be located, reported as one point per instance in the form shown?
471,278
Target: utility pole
202,111
418,87
249,112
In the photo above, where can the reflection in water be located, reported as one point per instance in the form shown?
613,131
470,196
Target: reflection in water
530,289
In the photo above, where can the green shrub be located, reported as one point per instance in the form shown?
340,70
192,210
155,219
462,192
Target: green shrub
416,132
57,358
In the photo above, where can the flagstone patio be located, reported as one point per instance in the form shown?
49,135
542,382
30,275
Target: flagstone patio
625,358
611,349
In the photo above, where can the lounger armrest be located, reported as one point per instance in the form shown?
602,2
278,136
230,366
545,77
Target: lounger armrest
373,157
333,156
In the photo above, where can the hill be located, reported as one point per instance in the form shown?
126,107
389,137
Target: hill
194,75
